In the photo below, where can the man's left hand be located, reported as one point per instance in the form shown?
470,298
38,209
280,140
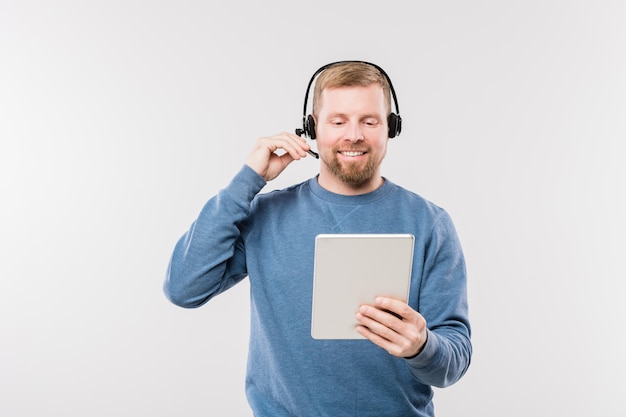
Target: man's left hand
394,326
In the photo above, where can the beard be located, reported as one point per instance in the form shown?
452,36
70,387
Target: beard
353,173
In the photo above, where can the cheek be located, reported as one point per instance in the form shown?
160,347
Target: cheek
380,145
325,142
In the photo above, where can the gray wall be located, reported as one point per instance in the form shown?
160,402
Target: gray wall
118,119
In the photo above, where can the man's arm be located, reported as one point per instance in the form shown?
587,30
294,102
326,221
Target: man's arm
209,258
446,355
435,341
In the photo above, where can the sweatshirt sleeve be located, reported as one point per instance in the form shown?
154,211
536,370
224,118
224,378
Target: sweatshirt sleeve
210,257
443,302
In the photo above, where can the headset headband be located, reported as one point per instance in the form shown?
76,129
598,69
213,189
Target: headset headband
382,71
394,121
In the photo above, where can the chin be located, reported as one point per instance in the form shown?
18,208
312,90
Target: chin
354,175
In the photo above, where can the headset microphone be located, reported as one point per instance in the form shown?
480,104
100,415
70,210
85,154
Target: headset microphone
314,154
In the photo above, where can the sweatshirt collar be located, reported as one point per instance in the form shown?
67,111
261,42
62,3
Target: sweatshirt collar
350,200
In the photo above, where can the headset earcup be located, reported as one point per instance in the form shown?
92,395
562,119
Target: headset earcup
309,127
395,125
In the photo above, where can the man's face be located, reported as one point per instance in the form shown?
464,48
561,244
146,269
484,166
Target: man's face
351,135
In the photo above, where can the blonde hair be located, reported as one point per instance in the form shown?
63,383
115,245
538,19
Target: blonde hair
350,74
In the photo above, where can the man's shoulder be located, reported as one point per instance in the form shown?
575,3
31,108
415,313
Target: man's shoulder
286,192
409,202
278,200
415,197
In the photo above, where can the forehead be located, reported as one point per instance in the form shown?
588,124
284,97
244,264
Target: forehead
353,99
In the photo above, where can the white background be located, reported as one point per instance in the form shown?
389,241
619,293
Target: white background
119,119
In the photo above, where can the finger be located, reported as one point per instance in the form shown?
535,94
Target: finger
295,145
394,347
380,322
292,144
387,324
396,307
267,159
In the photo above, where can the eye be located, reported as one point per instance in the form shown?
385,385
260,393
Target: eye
336,122
371,122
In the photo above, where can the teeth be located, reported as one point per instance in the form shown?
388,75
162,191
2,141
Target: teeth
352,153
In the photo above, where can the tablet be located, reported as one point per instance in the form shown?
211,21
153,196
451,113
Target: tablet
353,269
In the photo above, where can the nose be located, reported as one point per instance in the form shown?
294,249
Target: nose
354,132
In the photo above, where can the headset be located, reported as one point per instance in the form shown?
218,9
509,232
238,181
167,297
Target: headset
394,121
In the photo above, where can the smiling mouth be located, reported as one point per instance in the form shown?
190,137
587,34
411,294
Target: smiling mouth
352,153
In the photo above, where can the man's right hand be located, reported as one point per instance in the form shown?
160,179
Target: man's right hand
267,162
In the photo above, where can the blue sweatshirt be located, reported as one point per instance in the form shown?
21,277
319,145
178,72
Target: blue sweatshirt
270,238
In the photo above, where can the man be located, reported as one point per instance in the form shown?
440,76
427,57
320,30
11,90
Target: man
408,347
